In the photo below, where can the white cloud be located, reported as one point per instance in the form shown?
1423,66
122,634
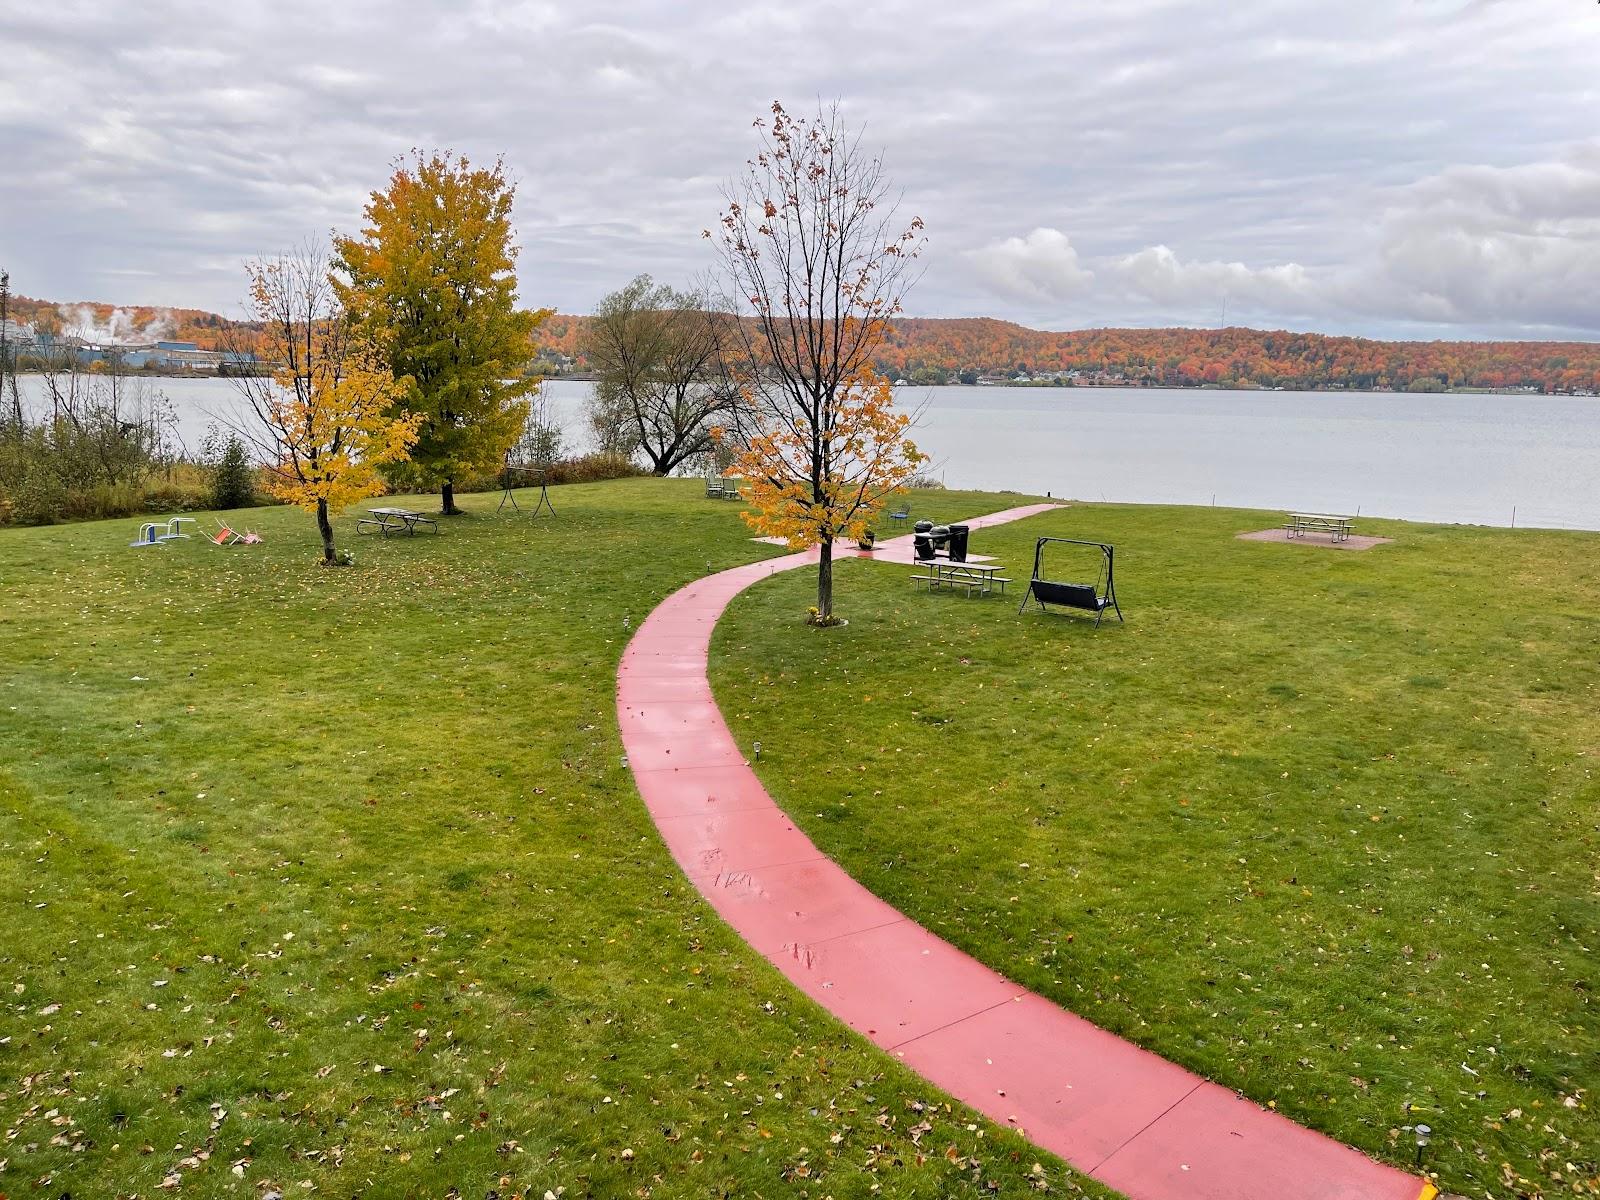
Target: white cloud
1157,274
1042,265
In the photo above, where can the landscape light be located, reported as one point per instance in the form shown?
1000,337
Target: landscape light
624,762
758,751
1424,1136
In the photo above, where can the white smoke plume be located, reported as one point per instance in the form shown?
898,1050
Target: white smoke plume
118,329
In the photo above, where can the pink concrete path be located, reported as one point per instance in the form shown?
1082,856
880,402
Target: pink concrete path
1118,1113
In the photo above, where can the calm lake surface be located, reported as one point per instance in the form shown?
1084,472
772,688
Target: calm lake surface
1457,458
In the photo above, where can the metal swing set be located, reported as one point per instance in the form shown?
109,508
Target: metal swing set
1086,597
535,476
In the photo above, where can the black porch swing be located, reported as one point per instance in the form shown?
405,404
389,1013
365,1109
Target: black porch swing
1089,597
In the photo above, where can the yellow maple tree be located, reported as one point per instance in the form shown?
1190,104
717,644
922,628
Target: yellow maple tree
432,279
324,415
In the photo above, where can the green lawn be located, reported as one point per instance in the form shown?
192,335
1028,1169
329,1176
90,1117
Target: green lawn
335,877
1320,825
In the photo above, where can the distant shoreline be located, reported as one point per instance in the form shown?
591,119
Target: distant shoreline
585,377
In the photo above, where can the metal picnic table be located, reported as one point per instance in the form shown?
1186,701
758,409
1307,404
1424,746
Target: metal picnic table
1300,524
385,521
981,578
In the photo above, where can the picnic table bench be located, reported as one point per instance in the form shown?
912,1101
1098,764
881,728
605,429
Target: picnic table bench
979,578
1300,524
385,521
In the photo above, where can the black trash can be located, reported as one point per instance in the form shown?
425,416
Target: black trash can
958,543
922,544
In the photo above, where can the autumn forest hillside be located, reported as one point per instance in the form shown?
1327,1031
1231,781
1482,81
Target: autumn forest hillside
967,349
972,349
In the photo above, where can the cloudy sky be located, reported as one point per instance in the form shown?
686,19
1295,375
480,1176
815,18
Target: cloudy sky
1411,168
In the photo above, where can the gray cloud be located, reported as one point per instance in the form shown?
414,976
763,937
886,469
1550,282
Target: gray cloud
1374,166
1513,248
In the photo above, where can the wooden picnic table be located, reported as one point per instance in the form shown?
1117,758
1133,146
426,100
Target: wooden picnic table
1300,524
979,578
385,521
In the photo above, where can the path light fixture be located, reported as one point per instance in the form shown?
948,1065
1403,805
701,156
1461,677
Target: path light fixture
1424,1136
758,751
624,762
627,621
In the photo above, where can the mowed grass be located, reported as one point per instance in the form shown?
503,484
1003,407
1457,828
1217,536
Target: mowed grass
1319,825
332,880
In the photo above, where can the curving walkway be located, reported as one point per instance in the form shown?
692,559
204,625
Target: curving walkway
1121,1114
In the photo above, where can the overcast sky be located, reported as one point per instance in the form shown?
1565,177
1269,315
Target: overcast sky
1411,168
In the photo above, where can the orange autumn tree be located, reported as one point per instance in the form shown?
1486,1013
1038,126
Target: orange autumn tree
323,420
810,242
814,487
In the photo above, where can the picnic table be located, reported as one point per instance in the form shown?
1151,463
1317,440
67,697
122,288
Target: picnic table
1300,524
384,521
977,578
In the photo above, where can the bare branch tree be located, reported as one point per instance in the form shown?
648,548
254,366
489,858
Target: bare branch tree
812,244
658,357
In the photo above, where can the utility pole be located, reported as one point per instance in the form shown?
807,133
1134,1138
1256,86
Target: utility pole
5,351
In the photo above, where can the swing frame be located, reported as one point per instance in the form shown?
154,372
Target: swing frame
1083,596
540,476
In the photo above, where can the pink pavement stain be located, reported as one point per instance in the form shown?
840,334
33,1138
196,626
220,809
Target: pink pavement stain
1120,1114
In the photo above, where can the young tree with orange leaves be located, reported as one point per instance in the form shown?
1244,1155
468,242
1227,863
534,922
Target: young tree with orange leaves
865,458
322,418
810,241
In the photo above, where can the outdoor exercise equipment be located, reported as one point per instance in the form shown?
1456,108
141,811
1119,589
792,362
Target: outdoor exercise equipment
507,479
1089,597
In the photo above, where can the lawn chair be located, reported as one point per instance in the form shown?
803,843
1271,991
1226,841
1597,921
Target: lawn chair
901,513
224,536
251,538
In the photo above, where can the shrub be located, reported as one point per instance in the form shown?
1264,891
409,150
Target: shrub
591,468
586,468
232,479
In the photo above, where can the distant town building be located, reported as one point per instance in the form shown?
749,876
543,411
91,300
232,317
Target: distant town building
16,334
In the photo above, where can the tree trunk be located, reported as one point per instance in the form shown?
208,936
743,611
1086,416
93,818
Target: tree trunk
447,499
825,582
325,527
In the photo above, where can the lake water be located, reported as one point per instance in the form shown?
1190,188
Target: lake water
1476,458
